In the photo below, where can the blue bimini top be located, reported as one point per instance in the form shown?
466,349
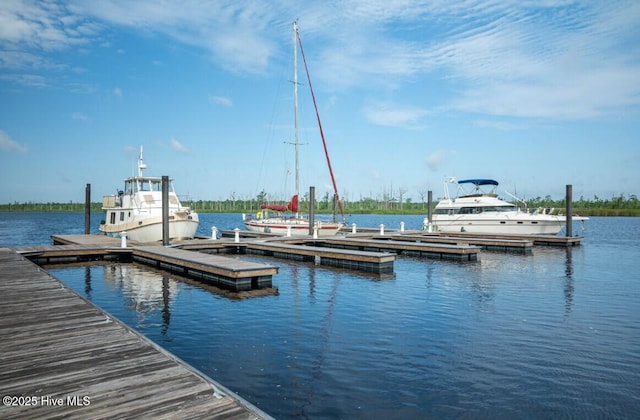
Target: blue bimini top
479,182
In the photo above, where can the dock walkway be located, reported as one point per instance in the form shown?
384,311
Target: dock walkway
419,249
62,357
367,261
231,272
522,246
228,272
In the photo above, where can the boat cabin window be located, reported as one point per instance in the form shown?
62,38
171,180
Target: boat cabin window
137,185
475,210
112,218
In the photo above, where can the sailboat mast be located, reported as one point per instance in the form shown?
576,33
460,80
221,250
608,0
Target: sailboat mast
324,143
295,106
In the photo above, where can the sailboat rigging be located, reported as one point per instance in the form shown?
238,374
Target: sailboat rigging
282,224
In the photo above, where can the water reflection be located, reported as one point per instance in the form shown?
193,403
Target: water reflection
568,283
146,294
87,282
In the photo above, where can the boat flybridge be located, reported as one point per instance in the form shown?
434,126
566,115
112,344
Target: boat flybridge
476,208
137,210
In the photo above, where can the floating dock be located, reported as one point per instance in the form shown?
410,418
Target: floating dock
416,249
371,243
229,273
367,261
62,357
519,246
539,240
233,273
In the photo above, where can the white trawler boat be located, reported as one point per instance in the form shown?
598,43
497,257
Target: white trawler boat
137,210
481,211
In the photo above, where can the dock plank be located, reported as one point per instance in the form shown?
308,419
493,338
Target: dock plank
65,347
520,245
431,250
367,261
216,264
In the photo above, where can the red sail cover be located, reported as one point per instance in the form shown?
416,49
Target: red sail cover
292,206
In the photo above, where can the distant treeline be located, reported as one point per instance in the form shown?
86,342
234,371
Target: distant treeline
616,206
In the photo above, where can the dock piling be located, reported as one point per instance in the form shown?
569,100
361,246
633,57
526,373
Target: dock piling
87,209
165,210
569,211
312,208
429,204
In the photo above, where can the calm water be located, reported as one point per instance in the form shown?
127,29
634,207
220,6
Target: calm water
555,334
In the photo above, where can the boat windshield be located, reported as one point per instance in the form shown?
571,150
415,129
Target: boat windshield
475,210
145,184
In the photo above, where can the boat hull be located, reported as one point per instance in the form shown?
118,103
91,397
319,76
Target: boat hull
521,224
296,227
150,229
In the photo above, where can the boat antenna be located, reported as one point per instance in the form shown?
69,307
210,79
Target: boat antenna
315,105
518,199
141,165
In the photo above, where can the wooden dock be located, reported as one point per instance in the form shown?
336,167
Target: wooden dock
539,240
367,261
518,246
230,273
233,273
368,241
62,357
418,249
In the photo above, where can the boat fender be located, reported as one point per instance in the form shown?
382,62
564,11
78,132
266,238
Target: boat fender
259,215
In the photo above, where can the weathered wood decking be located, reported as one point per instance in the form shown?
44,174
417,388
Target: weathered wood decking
428,250
540,240
231,272
367,261
227,272
62,357
521,246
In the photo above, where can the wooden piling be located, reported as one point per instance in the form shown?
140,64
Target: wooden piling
569,211
429,206
165,210
312,208
87,209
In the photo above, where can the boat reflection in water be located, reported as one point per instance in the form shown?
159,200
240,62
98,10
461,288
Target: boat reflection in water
148,294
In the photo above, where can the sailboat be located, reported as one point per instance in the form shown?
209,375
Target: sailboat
287,219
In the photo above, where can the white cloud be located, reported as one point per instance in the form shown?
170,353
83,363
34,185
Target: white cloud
220,100
435,159
79,116
117,92
31,80
43,25
7,144
178,147
553,59
395,115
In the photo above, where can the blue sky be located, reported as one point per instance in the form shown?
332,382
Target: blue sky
535,94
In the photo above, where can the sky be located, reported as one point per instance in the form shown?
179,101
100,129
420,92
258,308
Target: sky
534,94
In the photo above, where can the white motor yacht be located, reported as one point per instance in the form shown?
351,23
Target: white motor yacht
476,208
